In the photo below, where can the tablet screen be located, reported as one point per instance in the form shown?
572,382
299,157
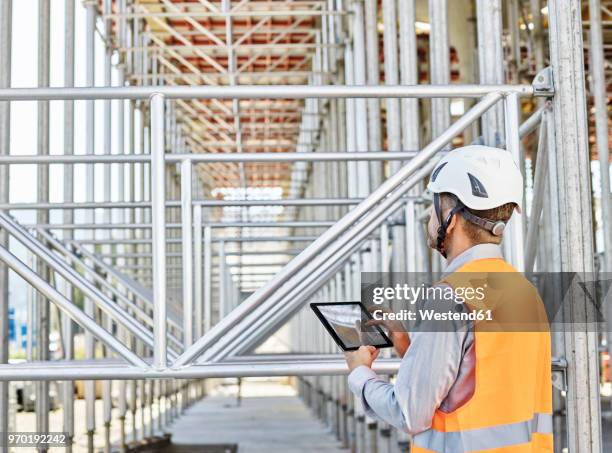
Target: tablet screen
344,320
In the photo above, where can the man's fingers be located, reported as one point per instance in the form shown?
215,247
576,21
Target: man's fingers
375,354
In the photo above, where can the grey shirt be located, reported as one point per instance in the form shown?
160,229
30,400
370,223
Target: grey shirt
427,372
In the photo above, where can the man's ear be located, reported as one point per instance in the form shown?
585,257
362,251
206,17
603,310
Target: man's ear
452,224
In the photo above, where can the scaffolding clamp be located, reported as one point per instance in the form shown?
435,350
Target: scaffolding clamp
559,373
543,83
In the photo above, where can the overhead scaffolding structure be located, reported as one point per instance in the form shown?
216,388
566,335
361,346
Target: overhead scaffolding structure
259,155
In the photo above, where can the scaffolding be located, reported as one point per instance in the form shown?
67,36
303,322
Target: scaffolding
259,155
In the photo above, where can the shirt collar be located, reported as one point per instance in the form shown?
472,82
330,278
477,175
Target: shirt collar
476,252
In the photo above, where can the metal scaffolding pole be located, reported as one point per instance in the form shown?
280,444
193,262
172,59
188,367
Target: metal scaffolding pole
90,344
574,217
439,91
394,120
5,146
513,145
187,251
198,278
215,157
207,299
439,63
360,105
373,78
410,127
68,215
107,385
491,64
121,150
158,185
42,318
439,72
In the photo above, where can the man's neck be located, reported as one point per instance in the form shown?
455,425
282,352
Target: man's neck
457,249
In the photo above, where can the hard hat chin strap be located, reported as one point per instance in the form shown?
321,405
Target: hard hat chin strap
496,228
444,223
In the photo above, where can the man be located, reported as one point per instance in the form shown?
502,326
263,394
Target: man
482,387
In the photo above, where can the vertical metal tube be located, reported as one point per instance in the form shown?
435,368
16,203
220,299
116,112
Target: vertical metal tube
68,214
439,73
491,64
537,33
207,278
123,385
187,250
5,142
360,105
513,145
107,385
574,219
350,122
410,126
394,134
222,281
42,318
537,204
373,78
512,10
90,30
197,269
158,185
439,60
392,78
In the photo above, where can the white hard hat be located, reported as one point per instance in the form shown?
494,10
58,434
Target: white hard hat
482,177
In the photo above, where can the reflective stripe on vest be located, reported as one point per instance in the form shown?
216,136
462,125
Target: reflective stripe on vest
484,438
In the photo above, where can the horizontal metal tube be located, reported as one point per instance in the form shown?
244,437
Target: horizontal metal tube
261,92
176,254
293,157
227,240
43,372
137,226
203,203
221,14
202,158
294,365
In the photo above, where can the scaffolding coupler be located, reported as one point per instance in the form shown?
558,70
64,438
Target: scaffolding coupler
543,83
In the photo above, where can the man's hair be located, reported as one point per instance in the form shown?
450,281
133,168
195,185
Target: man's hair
476,233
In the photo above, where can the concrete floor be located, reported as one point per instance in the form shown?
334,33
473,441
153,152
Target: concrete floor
270,418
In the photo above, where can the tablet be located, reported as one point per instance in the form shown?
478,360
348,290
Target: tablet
343,321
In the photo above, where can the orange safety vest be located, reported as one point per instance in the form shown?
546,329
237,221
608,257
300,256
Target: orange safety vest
510,410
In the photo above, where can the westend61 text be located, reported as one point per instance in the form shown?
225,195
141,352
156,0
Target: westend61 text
432,315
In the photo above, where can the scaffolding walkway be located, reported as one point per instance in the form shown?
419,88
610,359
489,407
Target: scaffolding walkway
260,423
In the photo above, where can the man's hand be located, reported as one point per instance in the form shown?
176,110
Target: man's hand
365,355
395,329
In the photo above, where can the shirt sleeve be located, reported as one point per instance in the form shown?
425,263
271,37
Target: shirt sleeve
427,372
